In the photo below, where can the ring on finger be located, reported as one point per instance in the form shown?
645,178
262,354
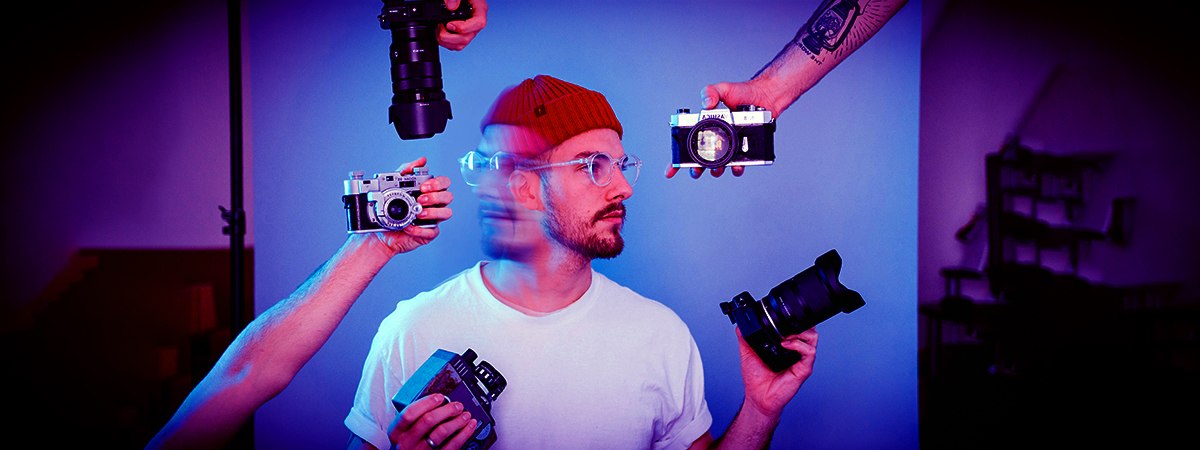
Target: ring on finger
429,441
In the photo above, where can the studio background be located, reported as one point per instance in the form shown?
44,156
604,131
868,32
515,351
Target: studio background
845,178
115,137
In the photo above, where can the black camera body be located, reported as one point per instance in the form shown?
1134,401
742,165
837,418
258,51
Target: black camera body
419,106
386,202
719,137
460,380
800,303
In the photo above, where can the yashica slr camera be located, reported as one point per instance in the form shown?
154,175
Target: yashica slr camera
461,380
386,202
793,306
720,137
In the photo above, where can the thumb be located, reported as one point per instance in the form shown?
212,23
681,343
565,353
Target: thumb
710,95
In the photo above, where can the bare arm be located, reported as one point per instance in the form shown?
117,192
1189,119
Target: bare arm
265,357
767,393
836,29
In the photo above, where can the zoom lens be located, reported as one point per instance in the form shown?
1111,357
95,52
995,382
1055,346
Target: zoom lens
419,107
811,297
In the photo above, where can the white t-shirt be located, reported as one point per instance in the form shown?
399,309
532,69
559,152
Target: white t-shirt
613,370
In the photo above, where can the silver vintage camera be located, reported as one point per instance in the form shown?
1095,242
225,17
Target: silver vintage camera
719,137
386,202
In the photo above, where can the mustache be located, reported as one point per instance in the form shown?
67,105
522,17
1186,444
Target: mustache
617,208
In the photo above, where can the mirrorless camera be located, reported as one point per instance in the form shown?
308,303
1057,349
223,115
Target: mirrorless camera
419,106
460,380
720,137
793,306
386,202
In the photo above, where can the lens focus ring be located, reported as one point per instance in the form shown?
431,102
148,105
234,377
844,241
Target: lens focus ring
396,209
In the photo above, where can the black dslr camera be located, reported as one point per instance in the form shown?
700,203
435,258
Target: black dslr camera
419,107
460,380
720,137
792,307
386,202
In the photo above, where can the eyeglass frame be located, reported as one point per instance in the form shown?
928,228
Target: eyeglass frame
622,163
493,164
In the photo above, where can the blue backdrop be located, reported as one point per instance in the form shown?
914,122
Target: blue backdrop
845,177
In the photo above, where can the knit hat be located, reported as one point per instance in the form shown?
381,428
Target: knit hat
553,109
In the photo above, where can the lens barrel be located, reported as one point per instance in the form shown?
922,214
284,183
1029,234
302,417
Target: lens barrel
711,143
419,107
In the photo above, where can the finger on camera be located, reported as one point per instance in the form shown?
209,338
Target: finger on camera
438,183
436,213
427,234
461,436
671,171
467,28
413,412
737,170
446,430
435,199
436,417
407,168
710,96
478,20
807,337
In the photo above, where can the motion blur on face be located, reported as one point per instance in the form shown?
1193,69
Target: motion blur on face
508,228
579,215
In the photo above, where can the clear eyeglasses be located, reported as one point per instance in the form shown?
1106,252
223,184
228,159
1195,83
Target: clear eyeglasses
600,166
475,164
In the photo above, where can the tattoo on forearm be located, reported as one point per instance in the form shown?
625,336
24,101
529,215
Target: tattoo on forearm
841,26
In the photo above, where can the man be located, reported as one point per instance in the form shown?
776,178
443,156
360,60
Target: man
589,363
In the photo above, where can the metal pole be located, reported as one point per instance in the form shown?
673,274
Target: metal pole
236,216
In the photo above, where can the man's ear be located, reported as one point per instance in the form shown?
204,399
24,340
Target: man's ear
526,188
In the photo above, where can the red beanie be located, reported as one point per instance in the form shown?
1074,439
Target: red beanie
556,110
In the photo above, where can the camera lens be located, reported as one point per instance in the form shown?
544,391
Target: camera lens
419,107
711,143
800,303
397,210
811,297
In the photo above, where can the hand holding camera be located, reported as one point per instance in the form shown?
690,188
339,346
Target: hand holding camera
719,138
457,34
795,305
454,393
419,107
776,337
401,209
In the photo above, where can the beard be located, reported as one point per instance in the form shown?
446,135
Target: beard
577,235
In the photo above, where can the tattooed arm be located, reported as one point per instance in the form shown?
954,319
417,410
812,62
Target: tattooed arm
836,29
